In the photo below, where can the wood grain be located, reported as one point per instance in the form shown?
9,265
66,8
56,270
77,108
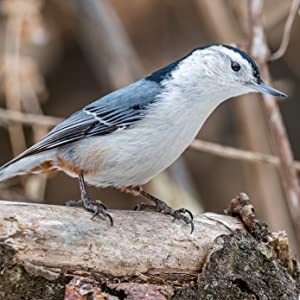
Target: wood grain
66,239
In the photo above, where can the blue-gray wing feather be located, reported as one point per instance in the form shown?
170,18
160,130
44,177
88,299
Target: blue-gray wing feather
118,110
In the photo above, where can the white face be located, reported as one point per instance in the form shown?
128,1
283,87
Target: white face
230,67
226,69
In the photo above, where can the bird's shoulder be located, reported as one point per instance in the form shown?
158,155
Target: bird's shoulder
141,92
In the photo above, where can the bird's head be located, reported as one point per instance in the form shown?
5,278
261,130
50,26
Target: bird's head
219,69
235,68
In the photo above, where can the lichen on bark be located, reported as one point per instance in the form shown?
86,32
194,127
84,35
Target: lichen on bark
17,283
240,267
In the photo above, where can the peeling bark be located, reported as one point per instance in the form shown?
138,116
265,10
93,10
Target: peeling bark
52,252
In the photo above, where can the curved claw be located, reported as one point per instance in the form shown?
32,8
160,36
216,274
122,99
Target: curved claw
184,210
104,213
95,214
190,213
179,214
110,219
192,226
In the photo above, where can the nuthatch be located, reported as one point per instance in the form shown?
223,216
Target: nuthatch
127,137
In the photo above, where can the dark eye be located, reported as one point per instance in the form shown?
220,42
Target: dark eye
235,66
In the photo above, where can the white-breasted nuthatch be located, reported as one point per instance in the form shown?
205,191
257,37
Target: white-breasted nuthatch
127,137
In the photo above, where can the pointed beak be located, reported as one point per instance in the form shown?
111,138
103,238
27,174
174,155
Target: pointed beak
263,88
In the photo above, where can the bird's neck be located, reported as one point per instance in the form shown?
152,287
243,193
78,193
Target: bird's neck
194,102
194,88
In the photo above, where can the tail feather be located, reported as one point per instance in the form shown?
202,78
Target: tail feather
24,165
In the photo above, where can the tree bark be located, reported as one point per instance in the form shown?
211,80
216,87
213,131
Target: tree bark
54,252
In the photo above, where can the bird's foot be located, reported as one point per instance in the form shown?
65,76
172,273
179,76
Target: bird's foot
96,207
162,207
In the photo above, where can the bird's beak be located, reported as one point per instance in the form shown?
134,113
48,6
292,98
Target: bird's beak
263,88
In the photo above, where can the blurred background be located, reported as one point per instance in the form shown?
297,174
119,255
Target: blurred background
57,56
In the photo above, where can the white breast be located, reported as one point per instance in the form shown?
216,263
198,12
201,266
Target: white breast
134,156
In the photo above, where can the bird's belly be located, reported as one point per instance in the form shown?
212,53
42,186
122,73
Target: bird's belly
133,156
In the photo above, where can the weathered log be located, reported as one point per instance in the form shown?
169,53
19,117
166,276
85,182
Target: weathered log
44,247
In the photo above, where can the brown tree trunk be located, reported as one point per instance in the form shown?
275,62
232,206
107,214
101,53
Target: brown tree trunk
54,252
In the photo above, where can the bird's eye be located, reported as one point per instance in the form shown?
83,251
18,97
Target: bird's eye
235,66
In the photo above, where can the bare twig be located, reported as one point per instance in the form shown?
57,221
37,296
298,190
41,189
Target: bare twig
287,31
259,49
238,154
9,116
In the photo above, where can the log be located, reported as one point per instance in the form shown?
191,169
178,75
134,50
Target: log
55,252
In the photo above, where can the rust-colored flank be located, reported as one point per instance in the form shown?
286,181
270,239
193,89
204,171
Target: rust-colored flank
46,167
65,165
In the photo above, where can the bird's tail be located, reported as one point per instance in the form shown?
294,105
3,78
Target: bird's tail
37,163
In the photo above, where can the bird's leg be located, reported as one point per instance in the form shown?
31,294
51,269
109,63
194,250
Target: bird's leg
96,207
162,207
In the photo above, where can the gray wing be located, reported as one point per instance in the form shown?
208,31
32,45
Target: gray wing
118,110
